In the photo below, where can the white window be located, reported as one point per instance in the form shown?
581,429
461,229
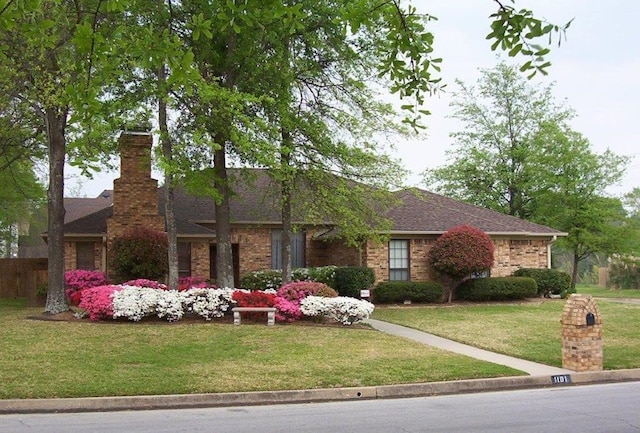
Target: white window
399,260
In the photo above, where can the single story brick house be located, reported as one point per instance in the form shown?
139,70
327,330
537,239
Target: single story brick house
91,224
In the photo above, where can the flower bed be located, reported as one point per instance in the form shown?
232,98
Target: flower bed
293,302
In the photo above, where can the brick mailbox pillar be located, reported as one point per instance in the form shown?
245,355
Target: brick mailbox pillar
581,334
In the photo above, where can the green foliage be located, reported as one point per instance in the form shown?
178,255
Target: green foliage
497,160
576,202
462,251
497,289
350,280
514,31
624,273
272,278
140,253
261,280
388,292
549,281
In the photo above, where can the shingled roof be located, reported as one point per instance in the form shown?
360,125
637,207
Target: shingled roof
255,202
425,212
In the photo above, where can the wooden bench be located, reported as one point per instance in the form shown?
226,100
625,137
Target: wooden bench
271,313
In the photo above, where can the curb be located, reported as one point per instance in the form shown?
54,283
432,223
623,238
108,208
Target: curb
183,401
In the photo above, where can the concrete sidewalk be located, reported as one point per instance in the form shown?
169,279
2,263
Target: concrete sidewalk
532,368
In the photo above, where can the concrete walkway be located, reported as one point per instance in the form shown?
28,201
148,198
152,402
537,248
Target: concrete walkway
532,368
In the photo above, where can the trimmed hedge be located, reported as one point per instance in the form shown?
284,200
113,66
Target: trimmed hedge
390,292
349,280
549,280
497,289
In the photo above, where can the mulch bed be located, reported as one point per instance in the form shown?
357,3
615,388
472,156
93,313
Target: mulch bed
227,319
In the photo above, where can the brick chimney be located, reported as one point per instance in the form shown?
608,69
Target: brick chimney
135,192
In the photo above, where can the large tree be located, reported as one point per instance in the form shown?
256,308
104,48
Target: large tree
518,155
52,49
576,201
49,51
495,159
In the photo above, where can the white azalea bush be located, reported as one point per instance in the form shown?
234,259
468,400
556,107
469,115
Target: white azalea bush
170,305
342,309
134,303
208,303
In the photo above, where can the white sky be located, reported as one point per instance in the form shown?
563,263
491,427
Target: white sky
597,71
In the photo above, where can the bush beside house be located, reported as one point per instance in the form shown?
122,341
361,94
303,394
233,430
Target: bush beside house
389,292
549,281
497,289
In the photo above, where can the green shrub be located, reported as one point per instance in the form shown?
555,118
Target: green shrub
624,273
497,289
140,253
389,292
549,281
349,280
272,278
322,274
261,280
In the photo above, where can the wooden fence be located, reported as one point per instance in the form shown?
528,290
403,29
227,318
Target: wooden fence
20,278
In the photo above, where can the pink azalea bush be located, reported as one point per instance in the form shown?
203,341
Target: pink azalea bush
191,282
98,301
78,279
143,282
289,296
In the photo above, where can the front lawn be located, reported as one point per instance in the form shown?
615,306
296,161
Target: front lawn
529,330
43,359
601,292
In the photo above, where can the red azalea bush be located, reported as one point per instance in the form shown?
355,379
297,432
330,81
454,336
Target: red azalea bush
98,301
254,299
78,279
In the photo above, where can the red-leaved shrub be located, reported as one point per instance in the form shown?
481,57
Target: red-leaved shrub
140,253
460,252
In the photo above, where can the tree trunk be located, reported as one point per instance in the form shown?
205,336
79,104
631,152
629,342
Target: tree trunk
285,243
169,206
286,182
56,124
224,255
574,274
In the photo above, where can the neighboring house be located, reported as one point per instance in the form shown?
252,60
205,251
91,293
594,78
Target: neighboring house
92,224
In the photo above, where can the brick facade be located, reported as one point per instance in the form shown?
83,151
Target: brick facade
135,193
510,254
71,259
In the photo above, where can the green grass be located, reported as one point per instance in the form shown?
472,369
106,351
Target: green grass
72,359
601,292
526,330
